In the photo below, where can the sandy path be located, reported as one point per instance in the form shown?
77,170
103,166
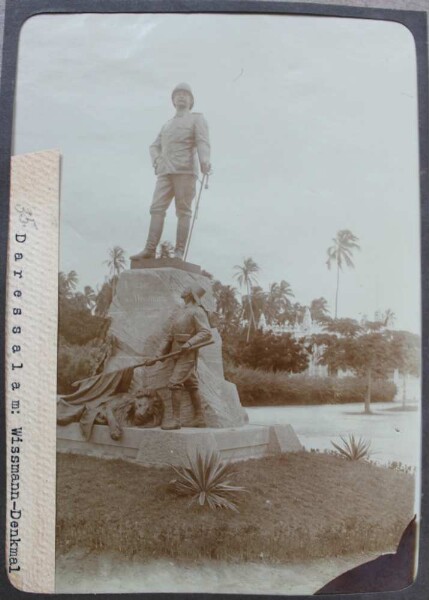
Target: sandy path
394,434
82,572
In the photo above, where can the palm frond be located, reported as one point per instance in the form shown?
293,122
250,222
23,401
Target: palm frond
348,260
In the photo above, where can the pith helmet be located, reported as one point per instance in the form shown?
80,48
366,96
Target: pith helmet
197,293
184,87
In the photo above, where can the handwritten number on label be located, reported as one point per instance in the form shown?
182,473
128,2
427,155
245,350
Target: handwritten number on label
26,216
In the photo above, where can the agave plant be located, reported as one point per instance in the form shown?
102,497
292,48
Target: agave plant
206,480
352,448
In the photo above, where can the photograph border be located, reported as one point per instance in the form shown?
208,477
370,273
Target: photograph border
16,14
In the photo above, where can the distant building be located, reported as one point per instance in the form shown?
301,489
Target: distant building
301,329
305,328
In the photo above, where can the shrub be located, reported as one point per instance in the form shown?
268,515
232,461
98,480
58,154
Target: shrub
262,388
273,353
74,362
76,323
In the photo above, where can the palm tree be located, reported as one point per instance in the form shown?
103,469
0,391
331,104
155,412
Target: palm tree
277,301
90,297
72,280
63,289
296,313
116,264
272,307
388,318
341,252
67,283
104,298
319,310
285,290
226,301
284,294
166,250
246,276
256,306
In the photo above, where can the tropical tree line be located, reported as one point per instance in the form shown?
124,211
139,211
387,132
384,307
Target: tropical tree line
368,349
277,303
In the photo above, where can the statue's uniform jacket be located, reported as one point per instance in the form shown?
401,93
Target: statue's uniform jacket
190,325
174,156
180,140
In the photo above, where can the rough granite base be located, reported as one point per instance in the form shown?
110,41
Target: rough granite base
141,313
160,263
156,447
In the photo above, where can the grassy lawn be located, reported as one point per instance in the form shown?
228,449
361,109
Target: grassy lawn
298,506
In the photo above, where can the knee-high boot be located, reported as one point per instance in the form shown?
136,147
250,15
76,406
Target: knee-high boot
182,232
153,237
198,420
174,422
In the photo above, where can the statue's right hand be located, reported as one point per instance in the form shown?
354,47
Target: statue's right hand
149,362
206,168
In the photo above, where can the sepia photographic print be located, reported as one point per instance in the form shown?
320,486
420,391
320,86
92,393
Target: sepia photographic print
221,217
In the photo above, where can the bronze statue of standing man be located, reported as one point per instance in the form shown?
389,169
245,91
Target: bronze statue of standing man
182,143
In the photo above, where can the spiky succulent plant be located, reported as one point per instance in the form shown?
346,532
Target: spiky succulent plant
352,448
206,480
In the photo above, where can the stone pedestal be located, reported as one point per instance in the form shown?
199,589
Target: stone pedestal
162,263
155,447
141,314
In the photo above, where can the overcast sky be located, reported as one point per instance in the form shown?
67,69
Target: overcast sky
313,125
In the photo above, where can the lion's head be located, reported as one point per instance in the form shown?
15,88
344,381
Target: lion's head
148,409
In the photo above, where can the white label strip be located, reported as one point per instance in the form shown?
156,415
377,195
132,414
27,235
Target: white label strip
31,367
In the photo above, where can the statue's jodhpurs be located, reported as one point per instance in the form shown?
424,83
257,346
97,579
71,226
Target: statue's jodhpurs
182,188
198,418
184,376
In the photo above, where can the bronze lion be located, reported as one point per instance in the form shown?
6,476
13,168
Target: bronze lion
144,409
